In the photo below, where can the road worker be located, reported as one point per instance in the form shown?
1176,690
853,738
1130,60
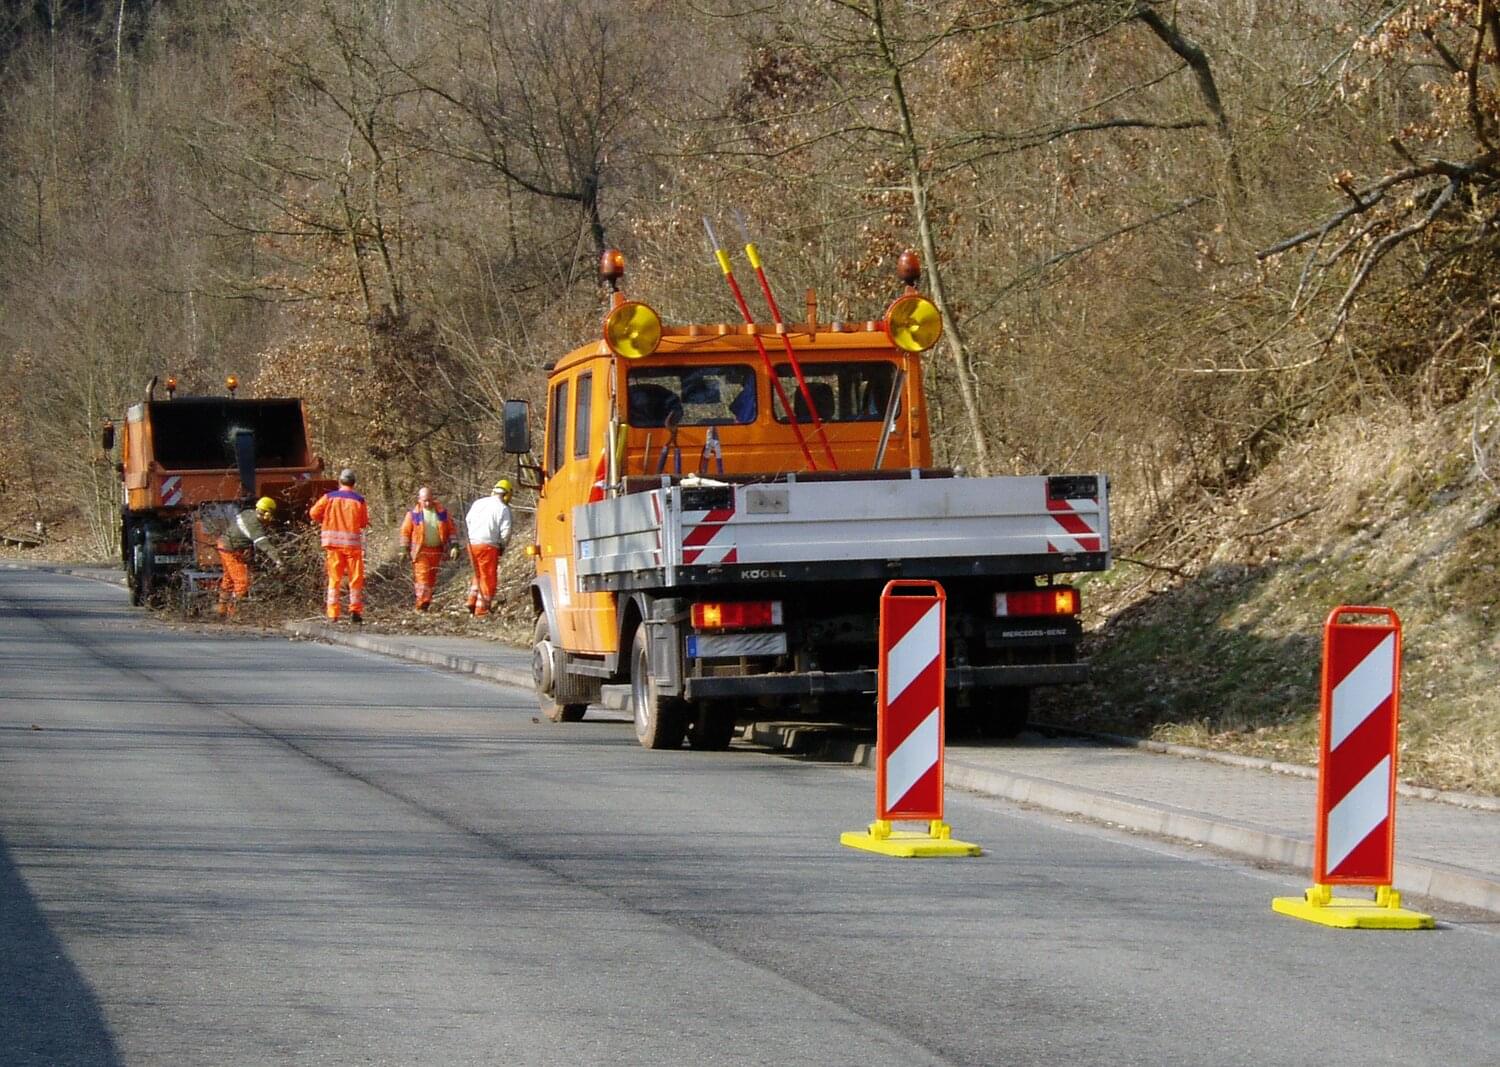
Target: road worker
426,533
242,537
488,525
344,517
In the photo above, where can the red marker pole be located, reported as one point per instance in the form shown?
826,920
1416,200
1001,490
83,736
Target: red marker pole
739,298
753,255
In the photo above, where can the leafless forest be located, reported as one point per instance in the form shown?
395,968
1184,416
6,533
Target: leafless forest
1169,238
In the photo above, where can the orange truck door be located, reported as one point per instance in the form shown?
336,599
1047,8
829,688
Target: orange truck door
576,427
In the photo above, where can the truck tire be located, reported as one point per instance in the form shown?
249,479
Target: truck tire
712,728
131,550
1012,710
541,649
147,581
660,721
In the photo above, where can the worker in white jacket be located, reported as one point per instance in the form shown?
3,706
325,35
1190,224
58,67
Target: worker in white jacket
488,523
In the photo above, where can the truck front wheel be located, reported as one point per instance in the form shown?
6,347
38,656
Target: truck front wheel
660,721
541,671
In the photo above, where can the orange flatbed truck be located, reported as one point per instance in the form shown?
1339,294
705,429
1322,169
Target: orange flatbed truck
697,565
184,457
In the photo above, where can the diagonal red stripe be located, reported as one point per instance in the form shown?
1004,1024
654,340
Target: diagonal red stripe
1369,859
912,706
924,800
1357,756
1347,648
898,615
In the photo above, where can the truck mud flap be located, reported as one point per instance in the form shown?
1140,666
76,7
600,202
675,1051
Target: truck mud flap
814,684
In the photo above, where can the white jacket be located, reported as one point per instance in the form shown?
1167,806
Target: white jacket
488,522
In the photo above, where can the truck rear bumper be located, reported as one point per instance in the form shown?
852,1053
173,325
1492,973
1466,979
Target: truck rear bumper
815,683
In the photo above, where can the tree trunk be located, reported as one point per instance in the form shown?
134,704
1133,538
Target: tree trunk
953,340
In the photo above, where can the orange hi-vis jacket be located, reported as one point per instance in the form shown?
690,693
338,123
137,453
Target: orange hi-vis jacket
413,532
344,516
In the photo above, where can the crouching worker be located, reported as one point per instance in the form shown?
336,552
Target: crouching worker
245,535
488,523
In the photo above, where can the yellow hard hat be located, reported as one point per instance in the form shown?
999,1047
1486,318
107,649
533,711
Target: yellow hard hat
504,487
266,504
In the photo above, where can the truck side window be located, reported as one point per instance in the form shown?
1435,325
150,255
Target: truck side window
557,429
582,402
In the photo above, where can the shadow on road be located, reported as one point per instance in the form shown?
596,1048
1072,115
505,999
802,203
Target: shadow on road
48,1013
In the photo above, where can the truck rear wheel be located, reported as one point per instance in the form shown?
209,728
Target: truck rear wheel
541,673
660,721
712,728
133,567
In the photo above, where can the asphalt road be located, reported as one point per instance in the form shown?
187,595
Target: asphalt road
230,849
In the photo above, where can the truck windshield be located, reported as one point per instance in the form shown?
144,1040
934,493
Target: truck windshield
843,392
720,395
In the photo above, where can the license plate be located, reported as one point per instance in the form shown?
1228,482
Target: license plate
159,558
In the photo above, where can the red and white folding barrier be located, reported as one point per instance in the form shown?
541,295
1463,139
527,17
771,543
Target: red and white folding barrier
909,724
1355,839
1357,749
909,711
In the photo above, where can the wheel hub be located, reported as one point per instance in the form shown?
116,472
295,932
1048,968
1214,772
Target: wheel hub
541,666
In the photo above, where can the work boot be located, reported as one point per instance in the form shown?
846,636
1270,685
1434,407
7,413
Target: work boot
471,609
423,607
356,619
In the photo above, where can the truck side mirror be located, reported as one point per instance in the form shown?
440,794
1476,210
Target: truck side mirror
107,435
516,427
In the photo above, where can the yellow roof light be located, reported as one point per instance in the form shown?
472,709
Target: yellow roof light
914,323
633,330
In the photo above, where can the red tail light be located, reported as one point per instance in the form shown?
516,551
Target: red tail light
1053,600
736,614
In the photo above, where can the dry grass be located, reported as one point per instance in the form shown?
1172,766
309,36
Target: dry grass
1383,509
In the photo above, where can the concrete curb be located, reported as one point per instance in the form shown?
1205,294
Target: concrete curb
91,573
398,649
1472,801
1448,884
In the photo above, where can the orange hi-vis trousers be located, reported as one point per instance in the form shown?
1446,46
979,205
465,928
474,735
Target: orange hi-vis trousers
236,581
424,573
345,564
486,562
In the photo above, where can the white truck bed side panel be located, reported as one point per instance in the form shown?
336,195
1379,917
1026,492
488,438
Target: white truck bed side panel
828,521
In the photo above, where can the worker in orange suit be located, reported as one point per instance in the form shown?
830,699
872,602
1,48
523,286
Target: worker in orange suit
488,524
244,535
344,517
426,534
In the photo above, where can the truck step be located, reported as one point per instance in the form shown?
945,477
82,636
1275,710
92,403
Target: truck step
615,697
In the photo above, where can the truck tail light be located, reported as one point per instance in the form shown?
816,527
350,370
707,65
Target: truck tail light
736,614
1053,600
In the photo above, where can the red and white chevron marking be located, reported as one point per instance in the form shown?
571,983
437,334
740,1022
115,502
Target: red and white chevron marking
909,734
707,537
1073,533
171,490
1357,771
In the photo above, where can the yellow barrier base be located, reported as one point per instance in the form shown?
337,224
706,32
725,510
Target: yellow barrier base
909,844
1319,905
